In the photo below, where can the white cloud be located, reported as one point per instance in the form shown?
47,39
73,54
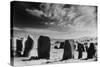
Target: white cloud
35,12
78,17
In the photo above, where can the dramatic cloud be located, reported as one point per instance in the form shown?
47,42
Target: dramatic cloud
76,16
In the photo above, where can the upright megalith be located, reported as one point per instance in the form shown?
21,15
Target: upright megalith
67,51
19,47
61,45
28,46
44,47
80,50
91,51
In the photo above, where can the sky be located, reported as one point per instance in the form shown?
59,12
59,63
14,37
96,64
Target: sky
21,18
58,18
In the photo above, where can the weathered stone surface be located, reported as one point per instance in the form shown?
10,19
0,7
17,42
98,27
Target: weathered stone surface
67,51
19,46
28,46
44,47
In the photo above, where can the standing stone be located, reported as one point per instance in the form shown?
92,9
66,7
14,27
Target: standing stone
91,51
28,46
67,51
19,46
61,45
44,47
80,50
72,43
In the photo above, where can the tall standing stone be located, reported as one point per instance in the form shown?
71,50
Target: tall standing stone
91,51
44,47
19,46
28,46
67,51
80,50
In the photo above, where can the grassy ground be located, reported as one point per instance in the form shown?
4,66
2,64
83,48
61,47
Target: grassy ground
55,57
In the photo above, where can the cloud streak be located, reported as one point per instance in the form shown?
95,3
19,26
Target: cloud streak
53,34
35,12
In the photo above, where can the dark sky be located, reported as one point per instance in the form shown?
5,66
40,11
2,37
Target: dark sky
21,18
